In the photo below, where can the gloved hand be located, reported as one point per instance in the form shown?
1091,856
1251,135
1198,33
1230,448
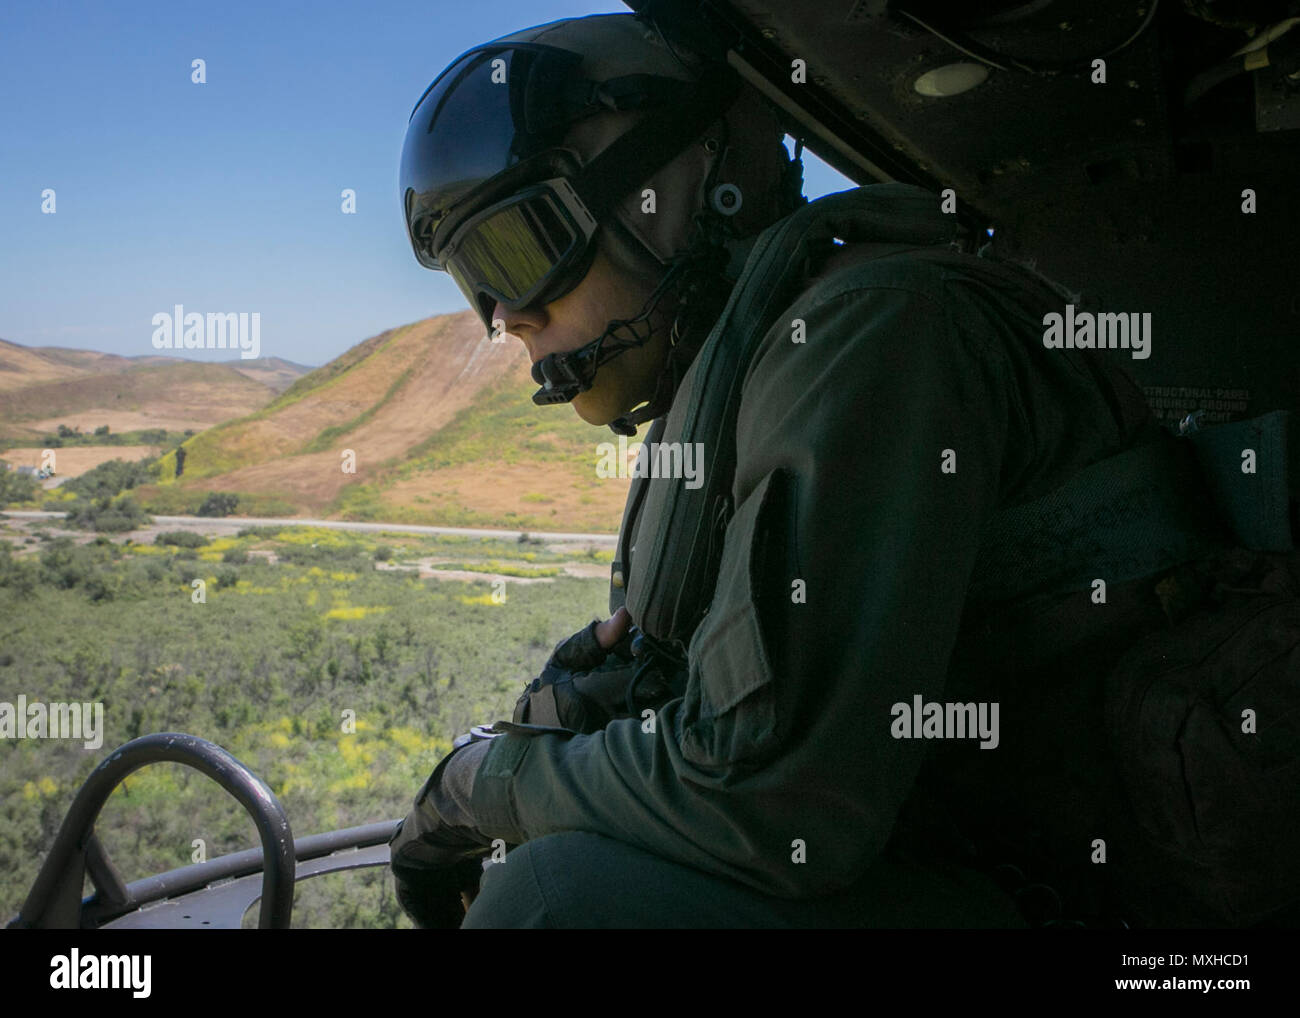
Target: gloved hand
584,683
436,853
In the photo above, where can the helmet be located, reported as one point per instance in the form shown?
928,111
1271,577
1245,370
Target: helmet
525,147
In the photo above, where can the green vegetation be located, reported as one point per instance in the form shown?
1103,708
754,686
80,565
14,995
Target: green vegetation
112,478
181,539
67,436
503,424
16,488
168,500
107,515
219,504
266,666
500,568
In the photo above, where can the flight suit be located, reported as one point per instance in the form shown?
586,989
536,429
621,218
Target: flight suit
884,416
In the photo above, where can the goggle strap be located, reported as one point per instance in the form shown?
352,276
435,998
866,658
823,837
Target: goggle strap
638,91
573,100
653,142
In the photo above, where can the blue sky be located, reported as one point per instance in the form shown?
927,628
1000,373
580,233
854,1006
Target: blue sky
225,196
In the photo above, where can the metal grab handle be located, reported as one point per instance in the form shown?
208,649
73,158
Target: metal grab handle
54,901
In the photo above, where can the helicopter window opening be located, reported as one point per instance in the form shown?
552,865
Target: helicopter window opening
819,177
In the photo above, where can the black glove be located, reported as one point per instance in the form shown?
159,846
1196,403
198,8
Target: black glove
429,888
435,852
583,687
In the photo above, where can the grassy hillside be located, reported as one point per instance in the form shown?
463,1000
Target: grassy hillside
501,461
440,426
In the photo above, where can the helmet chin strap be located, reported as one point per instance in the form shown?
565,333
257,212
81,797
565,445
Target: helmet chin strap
562,376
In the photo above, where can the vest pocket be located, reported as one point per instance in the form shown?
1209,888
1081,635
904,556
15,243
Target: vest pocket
729,710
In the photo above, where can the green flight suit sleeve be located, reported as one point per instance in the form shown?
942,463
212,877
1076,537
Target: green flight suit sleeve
869,459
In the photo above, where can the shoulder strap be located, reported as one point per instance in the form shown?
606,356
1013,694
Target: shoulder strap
681,571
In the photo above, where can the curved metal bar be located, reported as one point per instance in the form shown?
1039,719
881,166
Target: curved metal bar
221,906
102,909
55,898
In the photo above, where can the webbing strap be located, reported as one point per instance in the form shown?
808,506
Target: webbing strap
1128,516
1142,511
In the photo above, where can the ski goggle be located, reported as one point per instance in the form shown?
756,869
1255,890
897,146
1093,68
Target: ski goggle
531,248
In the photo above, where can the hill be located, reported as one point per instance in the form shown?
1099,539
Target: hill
441,428
43,387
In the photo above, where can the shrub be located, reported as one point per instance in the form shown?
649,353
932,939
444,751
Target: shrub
16,487
234,556
348,557
181,539
103,515
67,565
226,577
219,504
384,553
17,574
110,479
270,531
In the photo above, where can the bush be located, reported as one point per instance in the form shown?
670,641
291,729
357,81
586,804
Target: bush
114,516
16,487
17,574
235,556
219,504
89,566
270,531
226,577
181,539
384,553
110,479
102,584
348,557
